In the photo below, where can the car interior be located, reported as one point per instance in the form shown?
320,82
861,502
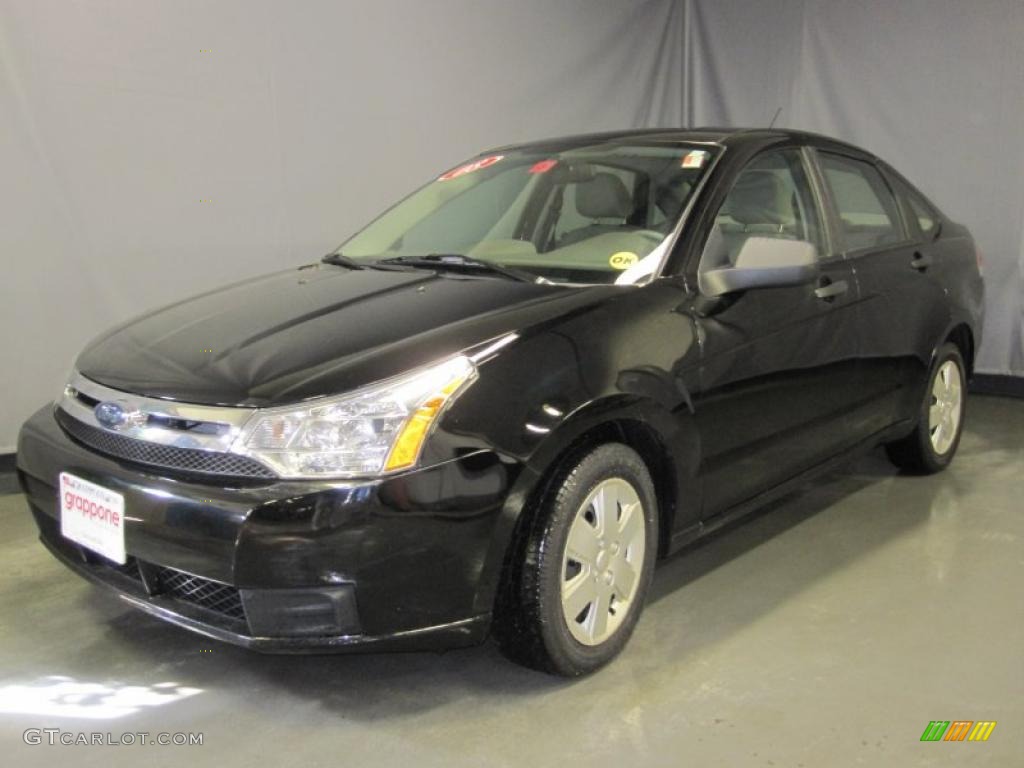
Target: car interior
587,212
764,202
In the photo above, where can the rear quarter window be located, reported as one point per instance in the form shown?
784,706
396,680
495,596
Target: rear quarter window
921,211
867,210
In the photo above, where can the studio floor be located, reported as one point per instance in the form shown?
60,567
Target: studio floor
827,630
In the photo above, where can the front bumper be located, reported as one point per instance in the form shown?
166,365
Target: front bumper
406,562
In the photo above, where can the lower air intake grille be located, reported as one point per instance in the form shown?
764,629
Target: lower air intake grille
167,456
203,592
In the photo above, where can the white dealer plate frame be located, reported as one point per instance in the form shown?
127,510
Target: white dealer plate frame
92,516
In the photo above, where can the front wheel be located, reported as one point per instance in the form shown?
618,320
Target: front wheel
587,564
933,443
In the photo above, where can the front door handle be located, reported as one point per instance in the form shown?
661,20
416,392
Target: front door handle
829,290
921,262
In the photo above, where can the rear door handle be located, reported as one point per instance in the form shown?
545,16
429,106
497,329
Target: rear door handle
828,291
921,262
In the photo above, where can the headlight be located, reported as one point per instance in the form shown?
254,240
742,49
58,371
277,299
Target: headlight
371,431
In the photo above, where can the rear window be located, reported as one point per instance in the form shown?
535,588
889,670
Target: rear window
868,214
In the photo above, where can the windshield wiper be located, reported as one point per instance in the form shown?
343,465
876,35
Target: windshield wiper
343,261
458,261
349,263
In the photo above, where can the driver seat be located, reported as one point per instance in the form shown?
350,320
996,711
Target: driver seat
605,200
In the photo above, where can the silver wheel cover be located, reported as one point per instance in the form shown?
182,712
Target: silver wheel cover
602,562
946,407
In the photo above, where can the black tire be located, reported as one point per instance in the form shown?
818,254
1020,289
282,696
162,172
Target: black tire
916,452
531,627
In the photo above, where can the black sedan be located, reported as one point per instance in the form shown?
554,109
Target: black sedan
495,407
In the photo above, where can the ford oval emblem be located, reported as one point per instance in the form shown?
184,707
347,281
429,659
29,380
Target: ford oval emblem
110,415
113,415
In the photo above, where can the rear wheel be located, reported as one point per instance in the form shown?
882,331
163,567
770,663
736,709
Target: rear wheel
588,560
933,443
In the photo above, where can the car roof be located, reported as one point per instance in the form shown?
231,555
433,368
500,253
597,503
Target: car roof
728,137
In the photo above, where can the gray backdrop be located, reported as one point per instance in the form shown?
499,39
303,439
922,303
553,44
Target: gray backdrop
151,150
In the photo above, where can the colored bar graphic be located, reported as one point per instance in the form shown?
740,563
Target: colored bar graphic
958,730
982,730
935,730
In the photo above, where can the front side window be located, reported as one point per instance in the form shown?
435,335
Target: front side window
595,214
868,215
770,198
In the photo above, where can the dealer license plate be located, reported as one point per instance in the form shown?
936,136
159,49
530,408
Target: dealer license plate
92,516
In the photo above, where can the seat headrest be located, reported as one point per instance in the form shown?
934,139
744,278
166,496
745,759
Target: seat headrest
603,197
759,197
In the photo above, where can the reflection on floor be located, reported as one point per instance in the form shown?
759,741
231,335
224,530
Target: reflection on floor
827,630
56,696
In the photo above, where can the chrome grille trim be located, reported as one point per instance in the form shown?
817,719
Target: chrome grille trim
185,460
190,438
164,422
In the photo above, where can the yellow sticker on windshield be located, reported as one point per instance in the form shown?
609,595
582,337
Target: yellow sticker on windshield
623,260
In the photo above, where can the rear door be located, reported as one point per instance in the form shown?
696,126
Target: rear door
893,262
779,368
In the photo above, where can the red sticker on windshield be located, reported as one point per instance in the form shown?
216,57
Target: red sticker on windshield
476,165
542,166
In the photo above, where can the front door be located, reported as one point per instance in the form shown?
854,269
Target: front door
780,374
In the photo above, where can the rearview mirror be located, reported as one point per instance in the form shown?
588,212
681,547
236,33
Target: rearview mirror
764,262
573,173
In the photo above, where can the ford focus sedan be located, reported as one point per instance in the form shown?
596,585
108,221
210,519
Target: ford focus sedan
492,410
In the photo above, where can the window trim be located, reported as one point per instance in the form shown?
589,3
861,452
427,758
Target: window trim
821,193
835,221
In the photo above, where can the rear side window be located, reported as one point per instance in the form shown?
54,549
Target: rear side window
921,210
868,214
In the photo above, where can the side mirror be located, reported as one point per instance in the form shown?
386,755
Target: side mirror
764,262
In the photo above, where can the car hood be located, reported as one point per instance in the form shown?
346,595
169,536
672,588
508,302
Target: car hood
317,330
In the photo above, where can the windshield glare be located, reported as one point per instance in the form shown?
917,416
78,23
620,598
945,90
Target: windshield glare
597,214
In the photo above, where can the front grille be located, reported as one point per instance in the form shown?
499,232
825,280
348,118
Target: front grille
209,594
167,456
160,580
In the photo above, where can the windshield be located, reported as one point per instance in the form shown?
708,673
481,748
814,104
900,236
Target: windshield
597,214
